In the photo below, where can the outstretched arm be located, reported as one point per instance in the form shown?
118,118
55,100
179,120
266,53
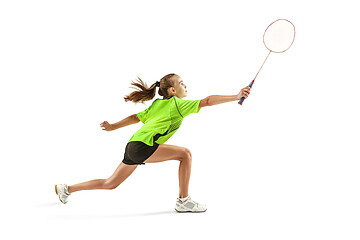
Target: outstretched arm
218,99
132,119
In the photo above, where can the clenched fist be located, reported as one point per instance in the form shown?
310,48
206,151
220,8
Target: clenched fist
244,93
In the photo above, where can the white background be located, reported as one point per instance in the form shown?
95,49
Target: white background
285,165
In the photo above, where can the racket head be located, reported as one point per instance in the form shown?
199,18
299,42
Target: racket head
279,36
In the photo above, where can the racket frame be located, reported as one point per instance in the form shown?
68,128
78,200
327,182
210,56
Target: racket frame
270,51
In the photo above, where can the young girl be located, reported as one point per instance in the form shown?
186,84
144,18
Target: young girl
161,120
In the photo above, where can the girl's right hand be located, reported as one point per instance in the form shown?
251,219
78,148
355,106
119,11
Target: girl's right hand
244,93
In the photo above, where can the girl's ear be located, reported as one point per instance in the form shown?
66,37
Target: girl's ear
172,90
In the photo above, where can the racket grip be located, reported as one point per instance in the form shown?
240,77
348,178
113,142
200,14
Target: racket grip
243,98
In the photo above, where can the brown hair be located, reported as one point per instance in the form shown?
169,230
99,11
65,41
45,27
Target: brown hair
145,93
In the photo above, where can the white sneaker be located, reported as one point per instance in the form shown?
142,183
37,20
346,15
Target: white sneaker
62,191
189,206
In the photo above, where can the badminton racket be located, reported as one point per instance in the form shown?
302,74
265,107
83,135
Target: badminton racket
278,38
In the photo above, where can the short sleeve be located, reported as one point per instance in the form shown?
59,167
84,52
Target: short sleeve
186,107
143,115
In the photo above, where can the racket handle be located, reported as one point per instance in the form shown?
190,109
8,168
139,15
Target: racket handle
243,98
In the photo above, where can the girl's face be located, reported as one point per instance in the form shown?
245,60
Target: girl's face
179,90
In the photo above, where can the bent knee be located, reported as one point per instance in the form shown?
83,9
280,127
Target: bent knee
186,155
110,184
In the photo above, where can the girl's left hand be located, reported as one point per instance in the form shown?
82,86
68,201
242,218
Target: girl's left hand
106,126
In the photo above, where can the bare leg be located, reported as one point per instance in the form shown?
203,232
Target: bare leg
184,177
121,173
167,152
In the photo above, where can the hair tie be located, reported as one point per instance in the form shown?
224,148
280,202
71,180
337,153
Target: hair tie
157,84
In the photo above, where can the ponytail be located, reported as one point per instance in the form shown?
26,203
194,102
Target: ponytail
145,93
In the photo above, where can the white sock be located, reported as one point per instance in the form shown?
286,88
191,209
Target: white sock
184,199
66,190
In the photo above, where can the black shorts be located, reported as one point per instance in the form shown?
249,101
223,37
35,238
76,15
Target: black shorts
137,152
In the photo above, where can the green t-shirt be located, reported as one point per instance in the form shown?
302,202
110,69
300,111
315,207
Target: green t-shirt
163,118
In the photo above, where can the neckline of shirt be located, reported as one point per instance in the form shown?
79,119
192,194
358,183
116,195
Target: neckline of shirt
165,99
